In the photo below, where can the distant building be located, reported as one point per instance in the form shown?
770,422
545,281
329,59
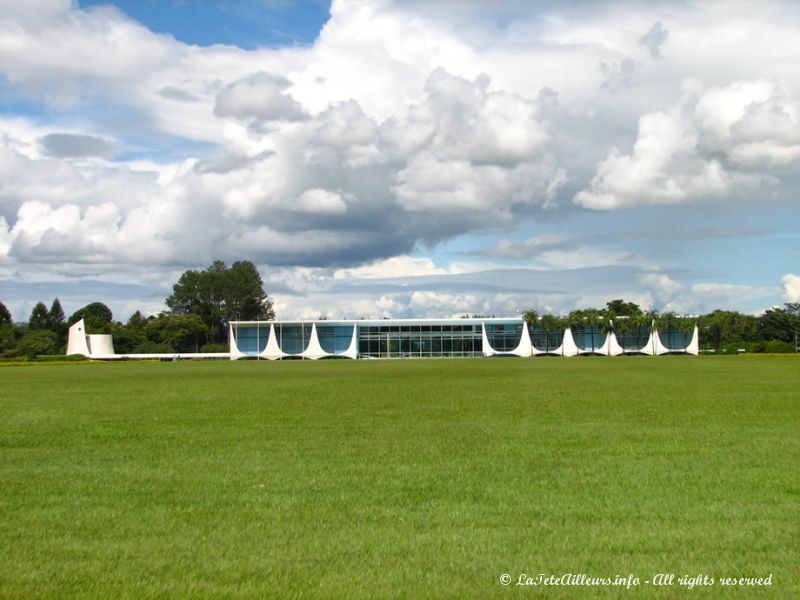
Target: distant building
432,338
409,338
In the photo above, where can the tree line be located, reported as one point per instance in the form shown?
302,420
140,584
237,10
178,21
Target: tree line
722,331
203,302
200,307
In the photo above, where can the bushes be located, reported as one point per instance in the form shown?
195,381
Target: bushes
214,348
763,347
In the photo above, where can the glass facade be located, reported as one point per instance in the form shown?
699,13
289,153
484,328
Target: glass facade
335,339
633,340
251,339
546,341
675,340
408,341
504,337
398,338
588,338
293,338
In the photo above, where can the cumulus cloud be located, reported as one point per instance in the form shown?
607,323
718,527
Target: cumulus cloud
791,287
396,266
260,96
709,144
317,200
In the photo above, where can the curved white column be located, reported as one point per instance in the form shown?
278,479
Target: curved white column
525,347
694,344
352,351
659,348
233,349
650,347
568,346
314,349
487,347
614,348
605,349
273,350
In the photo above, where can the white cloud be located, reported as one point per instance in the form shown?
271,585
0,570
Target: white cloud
261,97
317,200
396,266
707,145
791,287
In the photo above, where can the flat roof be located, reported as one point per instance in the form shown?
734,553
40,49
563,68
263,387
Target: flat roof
374,322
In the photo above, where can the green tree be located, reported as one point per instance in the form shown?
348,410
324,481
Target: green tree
620,308
5,316
56,315
670,321
553,323
221,294
530,316
37,341
137,321
722,327
126,338
779,323
8,340
97,316
183,332
40,318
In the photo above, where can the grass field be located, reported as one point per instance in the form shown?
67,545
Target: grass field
426,478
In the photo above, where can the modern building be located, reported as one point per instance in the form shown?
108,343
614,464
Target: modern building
408,338
432,338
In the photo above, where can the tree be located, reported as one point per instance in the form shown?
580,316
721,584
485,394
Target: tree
97,316
40,318
669,321
126,338
37,341
620,308
56,315
137,321
5,316
779,323
221,294
723,326
530,316
553,323
8,340
98,310
182,332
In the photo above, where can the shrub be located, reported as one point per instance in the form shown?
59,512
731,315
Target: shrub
214,348
153,348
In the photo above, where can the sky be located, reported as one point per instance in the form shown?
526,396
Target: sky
402,158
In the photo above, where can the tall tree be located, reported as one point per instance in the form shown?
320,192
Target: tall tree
780,323
40,318
221,294
5,316
620,308
530,316
56,314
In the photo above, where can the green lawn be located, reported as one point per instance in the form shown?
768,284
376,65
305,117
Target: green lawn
418,478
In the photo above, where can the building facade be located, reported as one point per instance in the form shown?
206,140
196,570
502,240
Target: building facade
440,338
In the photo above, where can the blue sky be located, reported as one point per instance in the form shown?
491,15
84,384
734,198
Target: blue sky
380,158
